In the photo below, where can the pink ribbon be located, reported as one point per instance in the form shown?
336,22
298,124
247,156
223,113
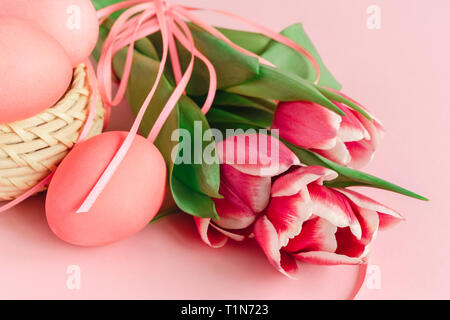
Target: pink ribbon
139,21
360,279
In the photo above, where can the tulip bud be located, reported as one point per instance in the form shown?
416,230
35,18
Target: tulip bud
349,140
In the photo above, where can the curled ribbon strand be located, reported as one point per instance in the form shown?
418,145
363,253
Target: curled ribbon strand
360,279
260,28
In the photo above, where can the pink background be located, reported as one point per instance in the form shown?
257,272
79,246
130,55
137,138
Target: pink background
400,72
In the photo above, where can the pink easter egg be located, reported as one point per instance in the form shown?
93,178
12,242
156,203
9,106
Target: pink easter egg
129,202
73,23
16,8
35,71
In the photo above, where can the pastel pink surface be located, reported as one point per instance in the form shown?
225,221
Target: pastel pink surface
73,23
129,202
35,71
382,69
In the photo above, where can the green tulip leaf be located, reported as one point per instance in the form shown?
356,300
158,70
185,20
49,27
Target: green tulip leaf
232,67
348,176
251,116
193,185
251,41
191,167
162,214
192,202
274,84
284,57
338,98
145,46
224,98
289,60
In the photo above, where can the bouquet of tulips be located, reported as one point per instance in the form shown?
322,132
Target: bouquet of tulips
274,156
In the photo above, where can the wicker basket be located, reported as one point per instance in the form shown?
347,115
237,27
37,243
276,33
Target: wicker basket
30,149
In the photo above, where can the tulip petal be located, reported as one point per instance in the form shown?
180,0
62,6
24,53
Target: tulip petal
358,104
351,128
367,203
317,234
338,153
296,180
374,128
326,258
287,214
210,236
334,207
347,242
267,238
230,234
388,221
369,222
361,153
349,245
306,124
254,191
256,154
233,213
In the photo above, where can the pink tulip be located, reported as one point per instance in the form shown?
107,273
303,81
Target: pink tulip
245,185
308,222
349,140
285,207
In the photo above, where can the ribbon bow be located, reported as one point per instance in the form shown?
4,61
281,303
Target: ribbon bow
141,19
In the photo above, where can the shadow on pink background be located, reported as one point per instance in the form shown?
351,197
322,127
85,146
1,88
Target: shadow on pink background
400,72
